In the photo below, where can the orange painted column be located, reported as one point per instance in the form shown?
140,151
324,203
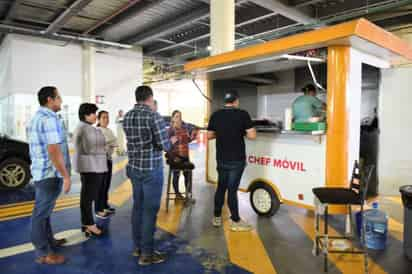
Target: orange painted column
337,119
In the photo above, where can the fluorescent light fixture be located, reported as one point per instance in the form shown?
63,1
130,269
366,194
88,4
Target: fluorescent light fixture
265,59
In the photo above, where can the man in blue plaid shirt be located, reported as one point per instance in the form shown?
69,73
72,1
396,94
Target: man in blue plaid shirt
147,138
50,168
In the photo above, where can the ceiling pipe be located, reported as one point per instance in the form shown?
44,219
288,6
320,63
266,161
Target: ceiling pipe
270,35
122,9
76,7
64,37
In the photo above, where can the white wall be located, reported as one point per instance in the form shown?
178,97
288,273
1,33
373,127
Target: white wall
274,99
5,67
39,62
184,96
28,63
395,153
118,73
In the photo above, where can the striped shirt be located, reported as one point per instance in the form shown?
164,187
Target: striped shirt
46,128
146,136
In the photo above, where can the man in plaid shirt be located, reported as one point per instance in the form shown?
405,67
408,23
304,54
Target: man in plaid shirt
50,168
147,137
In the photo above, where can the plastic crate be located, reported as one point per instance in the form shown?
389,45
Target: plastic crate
305,126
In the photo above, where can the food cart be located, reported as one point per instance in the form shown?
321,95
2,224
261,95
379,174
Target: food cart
283,166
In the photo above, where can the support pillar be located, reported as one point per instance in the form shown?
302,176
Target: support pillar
88,74
222,26
337,119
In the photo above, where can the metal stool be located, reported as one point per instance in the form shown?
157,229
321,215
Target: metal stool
171,195
355,195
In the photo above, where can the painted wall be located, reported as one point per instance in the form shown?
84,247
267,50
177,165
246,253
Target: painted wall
395,151
118,73
247,95
36,62
5,66
184,96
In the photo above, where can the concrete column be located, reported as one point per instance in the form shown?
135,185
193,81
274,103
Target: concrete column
222,26
88,72
337,120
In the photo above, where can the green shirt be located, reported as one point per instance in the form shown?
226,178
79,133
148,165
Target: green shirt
305,107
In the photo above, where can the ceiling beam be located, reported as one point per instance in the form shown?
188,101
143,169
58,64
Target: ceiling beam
307,3
284,10
9,16
127,12
244,23
66,15
164,29
122,9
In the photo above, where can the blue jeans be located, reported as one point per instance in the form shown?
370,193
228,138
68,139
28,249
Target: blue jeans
147,193
230,173
47,191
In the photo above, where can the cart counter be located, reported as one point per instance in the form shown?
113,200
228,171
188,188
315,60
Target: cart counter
292,162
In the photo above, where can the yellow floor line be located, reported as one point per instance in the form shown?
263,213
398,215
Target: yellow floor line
395,229
121,194
29,204
246,249
27,214
29,207
394,199
170,221
119,166
347,264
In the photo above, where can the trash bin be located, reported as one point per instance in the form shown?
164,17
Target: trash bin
406,192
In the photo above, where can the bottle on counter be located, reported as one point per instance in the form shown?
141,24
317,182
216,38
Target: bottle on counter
288,119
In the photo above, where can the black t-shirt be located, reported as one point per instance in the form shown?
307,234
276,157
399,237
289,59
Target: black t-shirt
230,125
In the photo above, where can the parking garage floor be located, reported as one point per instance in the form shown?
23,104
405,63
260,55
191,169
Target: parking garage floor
281,244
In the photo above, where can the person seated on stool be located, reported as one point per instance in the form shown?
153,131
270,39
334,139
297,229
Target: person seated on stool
179,156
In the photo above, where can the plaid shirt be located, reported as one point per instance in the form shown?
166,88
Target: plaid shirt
46,128
146,136
185,135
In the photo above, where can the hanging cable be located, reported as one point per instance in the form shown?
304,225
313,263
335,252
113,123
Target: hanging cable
198,88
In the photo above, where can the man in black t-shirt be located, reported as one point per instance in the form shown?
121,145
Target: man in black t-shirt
229,126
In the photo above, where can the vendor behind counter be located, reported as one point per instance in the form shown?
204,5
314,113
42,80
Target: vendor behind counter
308,108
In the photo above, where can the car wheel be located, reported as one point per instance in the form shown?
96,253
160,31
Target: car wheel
14,173
264,200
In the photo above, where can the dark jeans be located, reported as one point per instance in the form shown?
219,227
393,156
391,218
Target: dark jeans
230,173
103,197
188,180
91,184
183,164
47,191
147,192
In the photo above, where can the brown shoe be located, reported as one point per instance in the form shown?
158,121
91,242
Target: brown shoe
51,259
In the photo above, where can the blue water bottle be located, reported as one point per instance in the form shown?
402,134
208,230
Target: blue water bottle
376,228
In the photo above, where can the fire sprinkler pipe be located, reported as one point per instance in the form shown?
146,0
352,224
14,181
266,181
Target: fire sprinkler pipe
27,31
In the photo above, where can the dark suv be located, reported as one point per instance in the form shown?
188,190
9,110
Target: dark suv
14,163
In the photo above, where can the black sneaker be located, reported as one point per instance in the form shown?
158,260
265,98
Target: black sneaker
153,259
137,253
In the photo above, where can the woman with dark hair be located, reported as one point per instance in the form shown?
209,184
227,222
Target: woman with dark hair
179,159
111,143
90,160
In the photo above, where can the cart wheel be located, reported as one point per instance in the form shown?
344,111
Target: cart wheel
264,200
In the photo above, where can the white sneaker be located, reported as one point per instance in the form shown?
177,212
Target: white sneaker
217,221
240,226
